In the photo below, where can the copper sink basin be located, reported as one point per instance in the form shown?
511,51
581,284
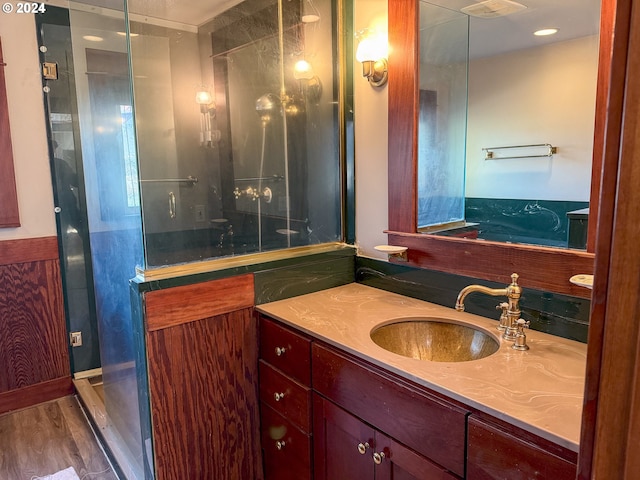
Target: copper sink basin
435,340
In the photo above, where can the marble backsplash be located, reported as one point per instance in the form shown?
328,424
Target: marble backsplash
556,314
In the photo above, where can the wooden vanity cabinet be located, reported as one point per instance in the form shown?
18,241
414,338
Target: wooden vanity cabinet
498,452
432,427
285,402
320,406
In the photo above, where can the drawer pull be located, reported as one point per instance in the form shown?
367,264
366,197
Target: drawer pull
278,396
280,444
378,457
362,447
280,351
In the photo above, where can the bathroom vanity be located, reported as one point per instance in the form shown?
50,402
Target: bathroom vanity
336,405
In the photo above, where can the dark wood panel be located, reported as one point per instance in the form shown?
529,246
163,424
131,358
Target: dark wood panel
540,268
288,351
431,427
33,337
9,213
174,306
203,382
286,396
28,250
41,440
618,12
603,90
609,420
292,461
493,454
35,394
403,113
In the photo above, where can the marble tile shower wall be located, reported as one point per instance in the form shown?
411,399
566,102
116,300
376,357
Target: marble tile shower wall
552,313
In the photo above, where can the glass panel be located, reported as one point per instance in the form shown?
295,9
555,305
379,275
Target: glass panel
104,113
238,142
444,47
69,190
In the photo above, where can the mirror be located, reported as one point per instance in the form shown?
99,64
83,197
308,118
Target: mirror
546,268
528,102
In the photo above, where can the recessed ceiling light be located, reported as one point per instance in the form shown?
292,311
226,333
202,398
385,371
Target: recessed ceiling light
93,38
130,34
545,31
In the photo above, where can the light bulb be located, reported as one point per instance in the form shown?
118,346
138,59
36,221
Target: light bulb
203,98
302,70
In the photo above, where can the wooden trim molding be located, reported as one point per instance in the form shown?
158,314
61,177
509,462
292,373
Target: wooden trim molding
28,250
608,444
35,394
178,305
540,268
9,214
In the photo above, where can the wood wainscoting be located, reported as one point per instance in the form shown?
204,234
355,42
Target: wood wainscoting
34,356
202,361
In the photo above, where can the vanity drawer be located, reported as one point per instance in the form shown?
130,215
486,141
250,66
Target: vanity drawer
285,396
291,458
432,427
285,350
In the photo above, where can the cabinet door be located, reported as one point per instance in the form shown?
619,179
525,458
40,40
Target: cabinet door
343,445
286,449
494,454
400,463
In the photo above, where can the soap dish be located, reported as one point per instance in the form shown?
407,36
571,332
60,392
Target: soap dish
582,280
393,251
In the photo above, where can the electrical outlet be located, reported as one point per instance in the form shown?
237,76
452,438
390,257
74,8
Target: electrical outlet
199,213
76,339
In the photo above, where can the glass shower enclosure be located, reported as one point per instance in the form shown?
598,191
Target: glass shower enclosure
208,130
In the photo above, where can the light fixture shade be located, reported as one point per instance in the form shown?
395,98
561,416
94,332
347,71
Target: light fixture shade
366,50
372,47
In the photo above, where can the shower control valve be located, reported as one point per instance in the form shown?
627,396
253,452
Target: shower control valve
254,193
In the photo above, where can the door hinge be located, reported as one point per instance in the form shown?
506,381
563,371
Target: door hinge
50,70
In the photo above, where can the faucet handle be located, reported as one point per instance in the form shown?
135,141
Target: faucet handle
514,278
521,339
504,318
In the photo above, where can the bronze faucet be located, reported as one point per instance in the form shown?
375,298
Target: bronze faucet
511,310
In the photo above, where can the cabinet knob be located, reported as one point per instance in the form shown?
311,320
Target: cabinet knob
278,396
362,447
280,444
378,457
280,351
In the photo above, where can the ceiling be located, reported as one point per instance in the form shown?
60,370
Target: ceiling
492,36
573,18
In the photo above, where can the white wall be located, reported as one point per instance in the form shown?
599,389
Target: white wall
370,105
537,95
28,132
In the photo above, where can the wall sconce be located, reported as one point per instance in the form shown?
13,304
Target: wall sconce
207,112
309,81
372,53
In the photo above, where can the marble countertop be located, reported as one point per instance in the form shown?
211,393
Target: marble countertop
540,390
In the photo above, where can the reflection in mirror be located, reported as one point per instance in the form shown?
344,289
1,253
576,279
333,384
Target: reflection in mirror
442,118
523,89
237,126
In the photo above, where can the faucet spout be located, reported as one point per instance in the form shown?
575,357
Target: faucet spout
513,292
494,292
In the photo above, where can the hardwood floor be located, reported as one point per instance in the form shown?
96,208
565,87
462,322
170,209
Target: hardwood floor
49,437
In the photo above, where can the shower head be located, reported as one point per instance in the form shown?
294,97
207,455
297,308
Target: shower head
266,105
